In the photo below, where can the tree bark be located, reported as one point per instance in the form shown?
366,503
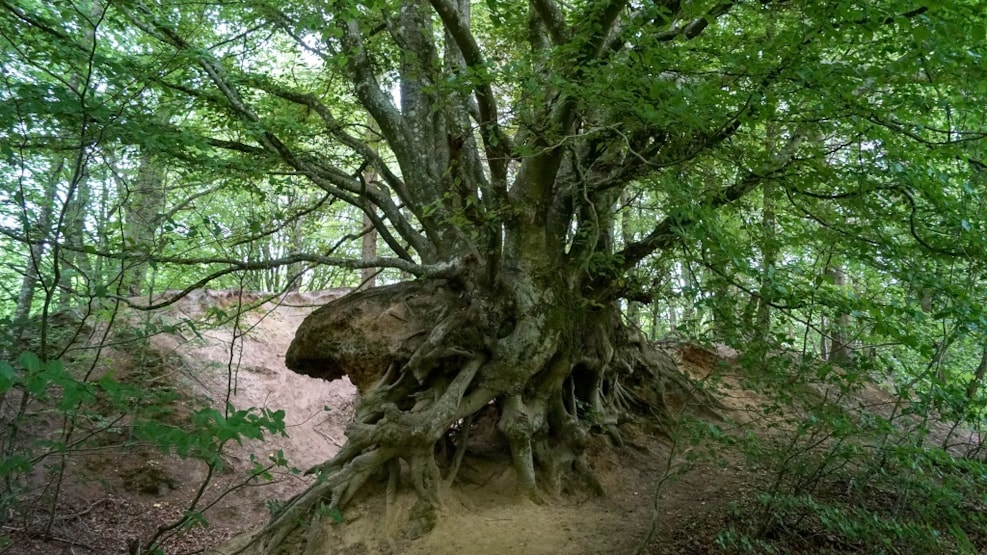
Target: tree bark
368,276
76,274
37,237
978,378
633,309
516,304
368,242
769,252
428,354
143,206
839,350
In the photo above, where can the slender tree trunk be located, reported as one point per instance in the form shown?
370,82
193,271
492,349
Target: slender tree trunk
633,309
839,351
100,274
71,227
13,402
368,276
295,272
37,236
769,254
143,206
978,377
77,272
47,231
688,286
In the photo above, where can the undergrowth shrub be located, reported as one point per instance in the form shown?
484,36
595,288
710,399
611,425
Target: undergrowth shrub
844,478
55,411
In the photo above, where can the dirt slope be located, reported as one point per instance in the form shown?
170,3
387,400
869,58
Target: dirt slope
115,498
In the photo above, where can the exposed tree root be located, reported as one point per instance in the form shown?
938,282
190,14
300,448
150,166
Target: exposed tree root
448,356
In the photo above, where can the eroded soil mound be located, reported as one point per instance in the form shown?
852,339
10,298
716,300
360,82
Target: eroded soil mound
209,349
216,347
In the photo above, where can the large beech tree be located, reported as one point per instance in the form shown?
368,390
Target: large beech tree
504,141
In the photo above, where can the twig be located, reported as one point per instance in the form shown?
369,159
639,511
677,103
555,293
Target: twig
85,512
66,541
329,438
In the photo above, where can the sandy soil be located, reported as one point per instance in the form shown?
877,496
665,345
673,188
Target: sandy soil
115,498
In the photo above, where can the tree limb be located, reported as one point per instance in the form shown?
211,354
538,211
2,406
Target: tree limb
336,129
668,231
496,143
550,15
446,269
395,131
695,27
330,179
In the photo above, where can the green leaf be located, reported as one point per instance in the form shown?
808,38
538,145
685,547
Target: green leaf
193,519
30,362
7,376
7,371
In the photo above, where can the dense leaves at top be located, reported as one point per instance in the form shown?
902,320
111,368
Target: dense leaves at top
635,134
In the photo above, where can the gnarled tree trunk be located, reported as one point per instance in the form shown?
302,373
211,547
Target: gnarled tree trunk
529,334
429,355
506,217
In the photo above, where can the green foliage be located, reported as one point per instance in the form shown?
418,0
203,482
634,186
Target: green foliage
803,181
332,513
135,411
208,429
923,514
840,478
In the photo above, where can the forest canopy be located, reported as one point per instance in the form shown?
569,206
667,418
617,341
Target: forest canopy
541,189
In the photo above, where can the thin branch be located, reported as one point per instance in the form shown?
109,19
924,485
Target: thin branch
447,269
395,131
371,95
188,201
330,179
668,231
374,195
333,126
819,219
898,127
280,226
44,26
235,145
695,27
602,27
912,216
496,143
550,15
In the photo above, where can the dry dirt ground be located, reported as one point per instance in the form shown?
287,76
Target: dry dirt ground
113,500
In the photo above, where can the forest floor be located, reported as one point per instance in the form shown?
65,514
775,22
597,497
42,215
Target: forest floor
111,500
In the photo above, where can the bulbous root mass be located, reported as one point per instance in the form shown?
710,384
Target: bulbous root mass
431,360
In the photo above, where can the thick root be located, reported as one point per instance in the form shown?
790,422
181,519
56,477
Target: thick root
549,380
519,422
380,435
